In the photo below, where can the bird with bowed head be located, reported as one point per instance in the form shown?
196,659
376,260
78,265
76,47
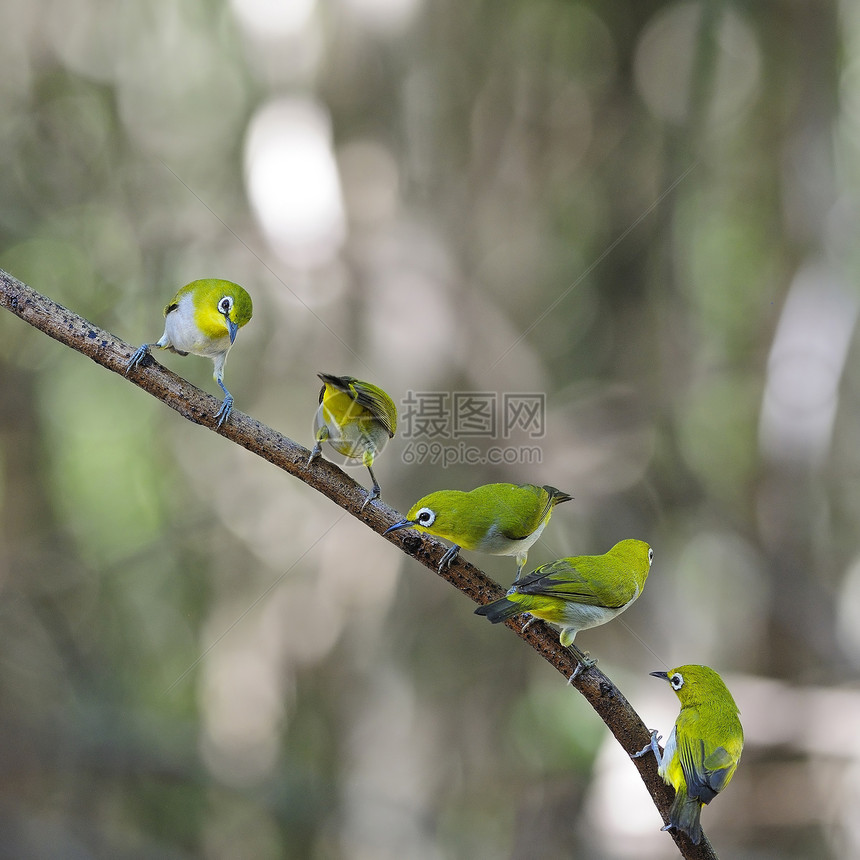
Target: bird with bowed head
356,418
498,519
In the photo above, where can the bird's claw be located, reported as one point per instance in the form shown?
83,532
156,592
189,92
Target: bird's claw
224,412
652,745
315,452
584,662
448,559
136,357
372,496
530,619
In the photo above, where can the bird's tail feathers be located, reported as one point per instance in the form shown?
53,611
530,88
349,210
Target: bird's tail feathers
685,814
500,610
557,496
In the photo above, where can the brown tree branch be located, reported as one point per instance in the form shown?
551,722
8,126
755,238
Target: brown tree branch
197,406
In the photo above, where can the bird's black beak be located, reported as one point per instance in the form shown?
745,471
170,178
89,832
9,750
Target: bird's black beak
401,525
663,675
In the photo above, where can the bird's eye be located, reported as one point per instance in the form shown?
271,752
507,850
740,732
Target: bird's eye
426,517
677,681
650,556
225,305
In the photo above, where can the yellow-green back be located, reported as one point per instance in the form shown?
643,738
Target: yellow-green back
471,519
348,400
708,731
610,580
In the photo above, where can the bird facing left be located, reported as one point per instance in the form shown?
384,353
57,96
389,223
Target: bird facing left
704,747
499,519
203,319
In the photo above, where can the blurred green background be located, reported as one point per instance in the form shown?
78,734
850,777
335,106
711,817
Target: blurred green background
646,212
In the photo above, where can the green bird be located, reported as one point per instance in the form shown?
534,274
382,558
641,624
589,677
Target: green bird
498,519
203,319
705,746
356,418
578,592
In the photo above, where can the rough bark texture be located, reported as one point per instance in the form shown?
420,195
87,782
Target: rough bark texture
201,408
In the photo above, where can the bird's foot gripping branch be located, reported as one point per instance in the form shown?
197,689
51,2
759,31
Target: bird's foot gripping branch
114,354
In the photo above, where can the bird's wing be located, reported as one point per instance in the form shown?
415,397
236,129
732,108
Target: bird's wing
578,580
546,509
368,396
519,516
706,773
376,402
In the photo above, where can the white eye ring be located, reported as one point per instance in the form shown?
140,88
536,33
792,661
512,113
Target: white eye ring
425,517
650,556
225,305
677,681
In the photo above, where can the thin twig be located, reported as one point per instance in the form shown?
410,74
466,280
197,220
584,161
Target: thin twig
112,353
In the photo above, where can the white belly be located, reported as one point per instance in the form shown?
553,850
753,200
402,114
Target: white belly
496,543
182,333
351,439
668,754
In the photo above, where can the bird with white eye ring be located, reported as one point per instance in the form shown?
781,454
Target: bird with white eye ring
704,748
498,519
203,319
578,592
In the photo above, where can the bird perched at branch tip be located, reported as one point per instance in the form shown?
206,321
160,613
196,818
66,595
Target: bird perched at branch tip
704,748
